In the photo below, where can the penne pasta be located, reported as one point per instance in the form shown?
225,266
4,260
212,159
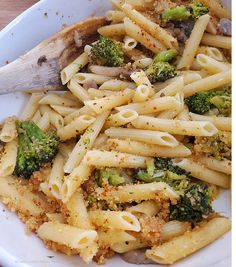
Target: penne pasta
83,78
117,85
31,106
211,65
85,143
221,123
77,211
200,172
53,99
194,128
109,102
216,40
65,234
122,220
121,118
112,30
152,28
71,182
77,90
193,42
8,159
114,159
136,32
9,131
76,127
224,165
56,176
69,71
208,83
154,105
148,150
147,136
171,251
137,192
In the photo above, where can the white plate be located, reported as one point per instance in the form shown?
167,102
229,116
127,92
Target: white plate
16,248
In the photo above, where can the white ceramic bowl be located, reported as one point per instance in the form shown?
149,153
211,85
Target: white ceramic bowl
16,248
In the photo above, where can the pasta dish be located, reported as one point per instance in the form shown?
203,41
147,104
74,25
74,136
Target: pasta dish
130,158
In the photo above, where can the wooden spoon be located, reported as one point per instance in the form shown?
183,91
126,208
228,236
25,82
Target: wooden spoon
39,69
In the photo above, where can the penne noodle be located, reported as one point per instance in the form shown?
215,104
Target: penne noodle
114,159
20,199
55,119
154,105
53,99
44,122
136,32
115,16
171,89
8,159
143,149
62,110
142,93
173,229
112,236
221,123
56,176
112,30
77,90
9,131
216,8
65,234
211,65
193,42
117,85
122,220
71,182
76,127
194,128
82,111
109,102
122,247
137,192
77,211
216,40
224,165
199,237
37,116
212,52
31,107
151,137
121,118
149,208
69,71
83,78
129,43
208,83
85,143
202,173
152,28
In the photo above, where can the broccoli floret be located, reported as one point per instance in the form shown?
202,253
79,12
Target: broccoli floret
217,146
178,13
35,148
159,71
109,176
202,102
198,10
222,103
194,205
166,172
107,52
166,56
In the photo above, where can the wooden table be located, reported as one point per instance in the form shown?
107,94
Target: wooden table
9,9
